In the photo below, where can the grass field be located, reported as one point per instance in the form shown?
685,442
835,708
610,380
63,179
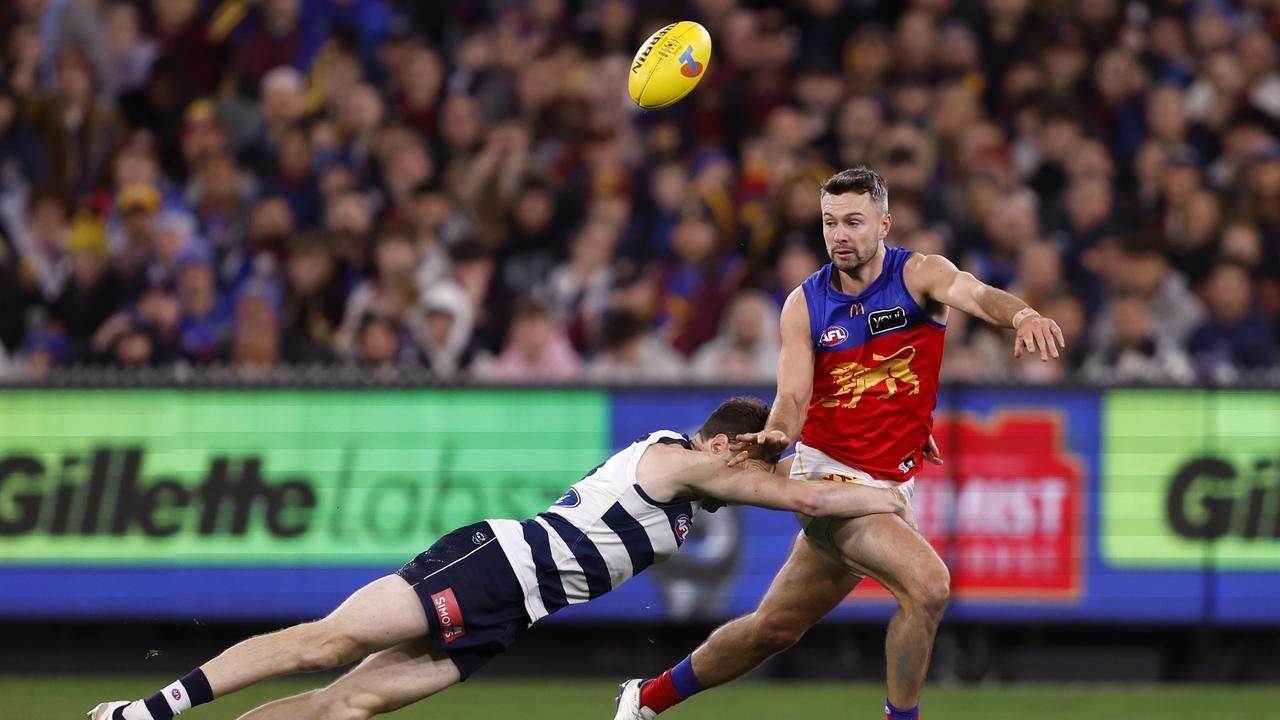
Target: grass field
47,698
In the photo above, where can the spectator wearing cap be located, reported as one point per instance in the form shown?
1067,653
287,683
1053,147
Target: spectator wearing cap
204,321
746,349
537,350
447,334
133,247
92,292
1235,336
632,353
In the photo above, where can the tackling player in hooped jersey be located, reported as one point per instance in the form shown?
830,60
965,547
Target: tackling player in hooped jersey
857,382
469,596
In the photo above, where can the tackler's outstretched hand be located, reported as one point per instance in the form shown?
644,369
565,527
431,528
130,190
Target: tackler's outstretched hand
1037,333
765,445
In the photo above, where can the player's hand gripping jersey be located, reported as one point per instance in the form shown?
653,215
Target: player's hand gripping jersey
875,372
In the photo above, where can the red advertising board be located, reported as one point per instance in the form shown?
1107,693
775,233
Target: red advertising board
1005,511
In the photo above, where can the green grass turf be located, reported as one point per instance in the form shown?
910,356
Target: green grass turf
41,698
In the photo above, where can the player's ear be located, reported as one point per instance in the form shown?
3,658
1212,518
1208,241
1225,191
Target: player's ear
719,443
885,224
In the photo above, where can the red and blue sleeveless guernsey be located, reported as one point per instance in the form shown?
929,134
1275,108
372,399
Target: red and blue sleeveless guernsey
875,372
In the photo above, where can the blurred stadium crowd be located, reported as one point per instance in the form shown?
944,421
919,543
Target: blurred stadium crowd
463,188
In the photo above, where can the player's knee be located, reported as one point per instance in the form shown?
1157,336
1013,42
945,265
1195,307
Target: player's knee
775,631
932,591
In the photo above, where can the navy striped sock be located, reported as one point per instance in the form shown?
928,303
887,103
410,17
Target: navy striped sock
193,689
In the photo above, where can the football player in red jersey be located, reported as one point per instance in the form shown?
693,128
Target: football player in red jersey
857,384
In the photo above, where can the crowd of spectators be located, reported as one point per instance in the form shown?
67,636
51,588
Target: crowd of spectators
462,188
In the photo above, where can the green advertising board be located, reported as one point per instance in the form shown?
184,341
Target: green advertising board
279,477
1191,479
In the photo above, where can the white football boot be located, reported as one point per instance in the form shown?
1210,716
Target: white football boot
628,702
103,710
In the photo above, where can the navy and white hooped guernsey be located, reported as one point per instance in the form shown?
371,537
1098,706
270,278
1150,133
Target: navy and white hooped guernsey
598,535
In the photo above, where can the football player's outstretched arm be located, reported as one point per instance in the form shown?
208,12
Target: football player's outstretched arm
754,484
938,279
795,385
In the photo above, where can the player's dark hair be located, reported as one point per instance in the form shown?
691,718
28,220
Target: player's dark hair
860,180
734,416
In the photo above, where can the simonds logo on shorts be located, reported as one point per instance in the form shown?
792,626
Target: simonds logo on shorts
449,614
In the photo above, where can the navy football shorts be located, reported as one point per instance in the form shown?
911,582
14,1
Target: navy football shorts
474,604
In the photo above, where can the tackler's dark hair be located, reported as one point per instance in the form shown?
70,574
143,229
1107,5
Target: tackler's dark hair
735,416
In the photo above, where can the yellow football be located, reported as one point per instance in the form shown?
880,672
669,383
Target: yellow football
669,64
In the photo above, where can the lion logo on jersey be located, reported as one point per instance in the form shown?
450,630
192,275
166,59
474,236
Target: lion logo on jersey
856,379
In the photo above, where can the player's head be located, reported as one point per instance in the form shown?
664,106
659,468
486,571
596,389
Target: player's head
734,416
855,216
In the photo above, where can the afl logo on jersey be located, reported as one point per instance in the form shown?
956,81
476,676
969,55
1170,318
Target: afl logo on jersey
569,499
834,335
683,525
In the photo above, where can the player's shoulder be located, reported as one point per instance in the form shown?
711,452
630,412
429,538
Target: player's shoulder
924,270
667,465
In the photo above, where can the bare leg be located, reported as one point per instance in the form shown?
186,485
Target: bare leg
385,681
383,613
887,549
806,588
